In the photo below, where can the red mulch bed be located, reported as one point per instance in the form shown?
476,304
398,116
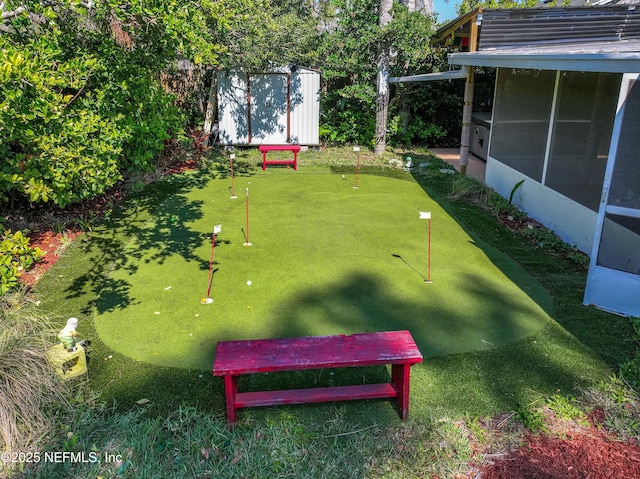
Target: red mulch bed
52,245
574,452
578,456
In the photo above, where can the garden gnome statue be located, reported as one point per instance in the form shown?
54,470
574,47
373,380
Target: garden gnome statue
409,164
68,334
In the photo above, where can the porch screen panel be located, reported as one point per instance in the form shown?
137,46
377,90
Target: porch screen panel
520,124
620,244
625,184
581,135
620,241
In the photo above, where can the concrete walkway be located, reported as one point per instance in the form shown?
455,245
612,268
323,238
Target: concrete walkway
475,168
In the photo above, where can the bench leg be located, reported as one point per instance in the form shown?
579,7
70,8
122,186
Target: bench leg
295,160
230,391
400,376
264,161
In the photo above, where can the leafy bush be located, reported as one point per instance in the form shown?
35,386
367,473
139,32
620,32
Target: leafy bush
16,256
70,131
418,132
531,418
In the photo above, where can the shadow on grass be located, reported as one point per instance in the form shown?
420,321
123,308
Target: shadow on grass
479,383
128,230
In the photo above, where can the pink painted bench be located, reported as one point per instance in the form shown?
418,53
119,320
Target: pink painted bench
264,149
235,358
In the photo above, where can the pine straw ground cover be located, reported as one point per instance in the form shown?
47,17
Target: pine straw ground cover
476,445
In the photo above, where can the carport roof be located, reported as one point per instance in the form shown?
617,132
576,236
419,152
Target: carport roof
621,57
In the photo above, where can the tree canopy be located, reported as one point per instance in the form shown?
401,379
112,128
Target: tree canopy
81,101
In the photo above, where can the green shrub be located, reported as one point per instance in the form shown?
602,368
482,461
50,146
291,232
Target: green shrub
16,257
531,418
566,408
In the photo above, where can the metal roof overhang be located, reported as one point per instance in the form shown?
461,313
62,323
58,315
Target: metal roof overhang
448,75
624,57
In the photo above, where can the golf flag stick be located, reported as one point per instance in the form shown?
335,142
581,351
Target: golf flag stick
426,215
207,299
233,187
247,242
357,148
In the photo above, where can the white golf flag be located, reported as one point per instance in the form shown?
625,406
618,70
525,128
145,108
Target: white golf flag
356,148
232,156
217,229
425,215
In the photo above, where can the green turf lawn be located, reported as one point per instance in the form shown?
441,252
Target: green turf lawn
326,259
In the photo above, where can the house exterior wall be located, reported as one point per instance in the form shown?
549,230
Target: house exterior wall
573,222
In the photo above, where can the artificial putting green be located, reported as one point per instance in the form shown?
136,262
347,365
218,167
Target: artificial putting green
326,258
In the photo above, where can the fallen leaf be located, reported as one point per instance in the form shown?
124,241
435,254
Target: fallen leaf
205,453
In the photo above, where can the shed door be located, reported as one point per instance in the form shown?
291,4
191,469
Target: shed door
613,283
269,109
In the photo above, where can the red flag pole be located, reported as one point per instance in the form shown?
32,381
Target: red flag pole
357,148
429,254
207,299
233,188
213,245
426,215
247,242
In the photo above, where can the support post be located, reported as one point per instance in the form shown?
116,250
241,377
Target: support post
231,390
400,377
465,136
212,106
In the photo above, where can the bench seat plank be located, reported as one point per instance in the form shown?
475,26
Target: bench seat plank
315,352
279,148
315,395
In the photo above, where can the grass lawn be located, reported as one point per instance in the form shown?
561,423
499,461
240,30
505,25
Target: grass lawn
325,259
501,324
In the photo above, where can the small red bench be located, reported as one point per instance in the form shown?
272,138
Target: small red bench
264,149
235,358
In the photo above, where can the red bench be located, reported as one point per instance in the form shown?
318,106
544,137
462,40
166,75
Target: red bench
235,358
264,149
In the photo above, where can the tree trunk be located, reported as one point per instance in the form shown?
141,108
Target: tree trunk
210,112
382,95
382,101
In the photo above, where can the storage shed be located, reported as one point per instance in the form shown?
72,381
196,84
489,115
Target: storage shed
566,119
277,107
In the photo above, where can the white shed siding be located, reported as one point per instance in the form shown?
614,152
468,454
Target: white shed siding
252,109
268,96
305,114
233,108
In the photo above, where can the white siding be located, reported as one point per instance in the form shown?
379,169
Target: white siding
232,108
573,222
305,114
268,108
